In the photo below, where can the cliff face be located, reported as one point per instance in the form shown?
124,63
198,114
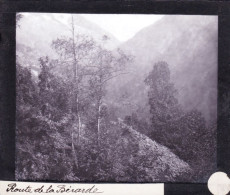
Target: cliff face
136,157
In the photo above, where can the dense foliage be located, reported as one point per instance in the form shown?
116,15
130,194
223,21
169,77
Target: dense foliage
185,133
66,130
62,120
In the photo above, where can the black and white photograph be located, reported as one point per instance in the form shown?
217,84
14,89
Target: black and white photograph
116,97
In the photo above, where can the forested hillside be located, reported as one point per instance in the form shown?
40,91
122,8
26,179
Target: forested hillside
91,109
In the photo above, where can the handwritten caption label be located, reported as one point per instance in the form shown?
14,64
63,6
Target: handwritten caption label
33,188
60,188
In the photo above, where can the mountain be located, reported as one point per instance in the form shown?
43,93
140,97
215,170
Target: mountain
109,147
189,45
37,31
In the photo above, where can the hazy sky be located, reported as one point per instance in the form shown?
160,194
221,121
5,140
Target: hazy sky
122,26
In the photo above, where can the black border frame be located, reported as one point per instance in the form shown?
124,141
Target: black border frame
8,11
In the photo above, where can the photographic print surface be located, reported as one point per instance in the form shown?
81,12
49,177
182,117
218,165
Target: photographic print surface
115,97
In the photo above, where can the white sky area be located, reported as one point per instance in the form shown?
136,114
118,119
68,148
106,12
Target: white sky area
122,26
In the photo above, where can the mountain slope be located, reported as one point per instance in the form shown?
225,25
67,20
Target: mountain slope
189,45
134,156
38,30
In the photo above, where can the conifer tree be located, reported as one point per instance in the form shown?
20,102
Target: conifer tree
162,94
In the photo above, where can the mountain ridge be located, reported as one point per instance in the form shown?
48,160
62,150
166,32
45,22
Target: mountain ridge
189,45
49,27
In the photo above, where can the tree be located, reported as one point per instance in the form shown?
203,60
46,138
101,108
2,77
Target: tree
107,65
53,91
185,133
42,124
162,95
73,52
69,93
